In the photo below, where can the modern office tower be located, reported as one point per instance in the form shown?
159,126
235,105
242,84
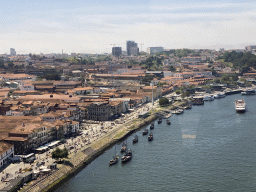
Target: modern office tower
12,52
116,51
129,45
135,51
153,50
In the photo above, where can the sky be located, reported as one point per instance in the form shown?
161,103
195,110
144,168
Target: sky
83,26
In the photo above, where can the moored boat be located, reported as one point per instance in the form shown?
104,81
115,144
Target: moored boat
127,157
124,147
240,106
114,160
145,132
135,139
168,122
159,120
248,92
152,126
150,137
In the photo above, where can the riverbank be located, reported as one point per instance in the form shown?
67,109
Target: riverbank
77,161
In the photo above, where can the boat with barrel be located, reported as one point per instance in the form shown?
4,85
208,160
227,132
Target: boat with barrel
124,147
127,157
114,160
150,137
145,131
152,126
159,120
135,139
168,122
240,106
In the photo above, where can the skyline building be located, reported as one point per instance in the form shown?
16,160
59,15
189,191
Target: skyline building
116,51
153,50
12,52
129,45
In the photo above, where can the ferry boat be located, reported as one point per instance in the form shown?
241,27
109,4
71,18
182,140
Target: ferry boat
152,126
150,137
135,139
127,157
240,106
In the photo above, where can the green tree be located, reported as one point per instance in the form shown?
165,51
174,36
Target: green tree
186,94
163,101
60,153
178,92
1,63
172,68
10,65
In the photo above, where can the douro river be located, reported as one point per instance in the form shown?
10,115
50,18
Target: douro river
207,148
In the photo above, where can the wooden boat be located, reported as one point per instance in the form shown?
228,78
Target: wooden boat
168,122
135,139
150,137
145,132
152,126
159,121
114,160
127,157
124,147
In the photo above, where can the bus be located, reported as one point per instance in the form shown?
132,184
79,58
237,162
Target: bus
29,158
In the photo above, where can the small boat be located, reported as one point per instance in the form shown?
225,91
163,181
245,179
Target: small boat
152,126
114,160
145,132
188,107
208,98
178,111
124,147
168,122
150,137
135,139
127,157
159,121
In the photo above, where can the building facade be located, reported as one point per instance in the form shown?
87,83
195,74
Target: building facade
129,45
117,51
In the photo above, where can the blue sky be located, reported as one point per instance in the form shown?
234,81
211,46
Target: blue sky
91,26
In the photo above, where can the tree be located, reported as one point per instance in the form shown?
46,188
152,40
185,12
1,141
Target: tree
10,65
1,63
172,68
60,153
163,101
186,94
178,92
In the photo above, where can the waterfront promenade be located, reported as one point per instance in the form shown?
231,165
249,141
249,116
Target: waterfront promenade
99,142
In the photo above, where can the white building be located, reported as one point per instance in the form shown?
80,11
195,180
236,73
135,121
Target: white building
6,151
153,50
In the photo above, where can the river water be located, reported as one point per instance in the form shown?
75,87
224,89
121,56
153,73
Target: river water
207,148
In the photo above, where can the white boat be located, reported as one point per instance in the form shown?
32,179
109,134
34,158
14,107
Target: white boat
248,92
240,106
208,98
219,95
